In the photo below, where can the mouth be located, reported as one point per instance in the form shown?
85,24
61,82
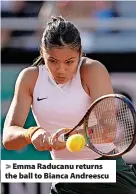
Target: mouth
61,79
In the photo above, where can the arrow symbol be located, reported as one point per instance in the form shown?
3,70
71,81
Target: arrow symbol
8,166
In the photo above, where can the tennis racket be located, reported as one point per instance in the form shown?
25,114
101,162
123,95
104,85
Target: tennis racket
109,126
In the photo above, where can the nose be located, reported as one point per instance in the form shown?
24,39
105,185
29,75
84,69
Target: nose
61,69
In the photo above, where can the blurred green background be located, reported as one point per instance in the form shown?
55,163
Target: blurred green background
8,79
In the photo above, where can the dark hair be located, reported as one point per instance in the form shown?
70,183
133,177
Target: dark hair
59,33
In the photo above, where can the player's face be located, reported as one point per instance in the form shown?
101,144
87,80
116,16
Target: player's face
62,63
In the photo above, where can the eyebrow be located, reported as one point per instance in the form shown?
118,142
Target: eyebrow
53,58
65,60
70,58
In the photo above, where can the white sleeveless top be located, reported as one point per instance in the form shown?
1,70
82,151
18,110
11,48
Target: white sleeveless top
63,107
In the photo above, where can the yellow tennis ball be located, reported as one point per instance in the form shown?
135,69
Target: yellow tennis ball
75,143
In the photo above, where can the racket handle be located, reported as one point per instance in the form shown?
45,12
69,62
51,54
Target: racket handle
66,136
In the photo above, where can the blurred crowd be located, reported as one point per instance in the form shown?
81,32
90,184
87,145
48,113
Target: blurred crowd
71,10
17,9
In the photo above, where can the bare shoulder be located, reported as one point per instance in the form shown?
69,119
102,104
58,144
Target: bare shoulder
29,71
90,66
27,78
96,78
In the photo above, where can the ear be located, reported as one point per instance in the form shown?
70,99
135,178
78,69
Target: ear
81,54
41,51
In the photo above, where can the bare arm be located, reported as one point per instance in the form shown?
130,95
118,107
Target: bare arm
13,132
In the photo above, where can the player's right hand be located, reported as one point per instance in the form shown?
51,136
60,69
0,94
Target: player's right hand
40,140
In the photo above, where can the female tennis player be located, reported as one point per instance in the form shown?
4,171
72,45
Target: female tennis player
60,87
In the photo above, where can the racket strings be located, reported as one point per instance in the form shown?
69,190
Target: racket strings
111,123
126,125
103,114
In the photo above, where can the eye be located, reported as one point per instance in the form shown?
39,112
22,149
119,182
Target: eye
52,61
69,62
